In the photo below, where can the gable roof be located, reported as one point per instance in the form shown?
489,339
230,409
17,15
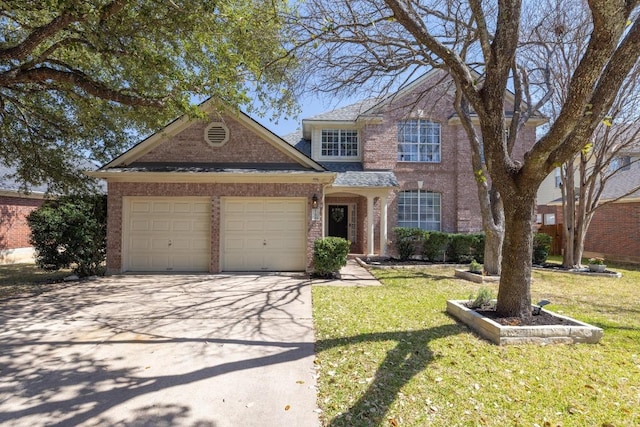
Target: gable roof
183,122
371,108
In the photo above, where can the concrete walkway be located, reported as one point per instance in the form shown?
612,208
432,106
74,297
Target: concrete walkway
353,274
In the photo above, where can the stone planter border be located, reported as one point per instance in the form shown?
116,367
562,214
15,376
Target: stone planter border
583,272
474,277
507,335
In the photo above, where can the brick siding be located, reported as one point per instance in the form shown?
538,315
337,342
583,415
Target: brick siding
14,229
189,146
615,232
452,177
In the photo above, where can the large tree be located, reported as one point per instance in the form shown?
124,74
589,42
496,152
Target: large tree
83,78
365,41
557,47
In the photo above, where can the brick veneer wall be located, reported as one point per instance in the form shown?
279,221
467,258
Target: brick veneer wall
190,146
119,190
452,177
615,232
14,229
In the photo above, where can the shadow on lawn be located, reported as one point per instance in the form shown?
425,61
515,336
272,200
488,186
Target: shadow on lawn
409,357
416,274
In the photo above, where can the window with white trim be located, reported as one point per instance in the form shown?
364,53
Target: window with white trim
549,219
339,143
558,178
622,163
420,209
419,141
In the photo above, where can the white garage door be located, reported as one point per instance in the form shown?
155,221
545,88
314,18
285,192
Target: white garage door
167,234
264,234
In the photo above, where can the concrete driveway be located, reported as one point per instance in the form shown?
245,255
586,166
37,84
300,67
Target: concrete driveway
161,350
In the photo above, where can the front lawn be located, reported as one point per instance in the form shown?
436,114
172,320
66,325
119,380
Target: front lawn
390,356
18,279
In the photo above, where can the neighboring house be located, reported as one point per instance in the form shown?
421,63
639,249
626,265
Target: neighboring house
15,206
226,194
614,232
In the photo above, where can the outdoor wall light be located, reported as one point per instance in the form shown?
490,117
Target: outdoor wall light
315,212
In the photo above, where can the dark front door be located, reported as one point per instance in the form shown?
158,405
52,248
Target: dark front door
339,221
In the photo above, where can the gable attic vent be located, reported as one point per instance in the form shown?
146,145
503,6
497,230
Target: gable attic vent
216,134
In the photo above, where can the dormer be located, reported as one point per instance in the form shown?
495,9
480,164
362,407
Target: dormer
336,136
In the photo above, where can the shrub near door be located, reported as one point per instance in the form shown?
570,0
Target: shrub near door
330,255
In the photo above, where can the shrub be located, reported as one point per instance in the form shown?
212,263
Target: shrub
541,247
475,266
435,245
330,255
408,241
465,247
71,231
483,299
478,247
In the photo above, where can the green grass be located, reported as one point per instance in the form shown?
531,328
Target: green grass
391,356
27,278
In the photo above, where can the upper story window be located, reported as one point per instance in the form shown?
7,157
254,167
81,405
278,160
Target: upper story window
622,163
419,141
558,178
339,143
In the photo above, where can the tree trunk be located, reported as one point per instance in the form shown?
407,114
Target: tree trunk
493,219
514,296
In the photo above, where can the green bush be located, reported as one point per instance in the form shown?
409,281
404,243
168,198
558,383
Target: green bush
435,245
330,255
541,247
465,247
408,241
71,231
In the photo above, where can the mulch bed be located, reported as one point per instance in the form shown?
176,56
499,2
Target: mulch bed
543,319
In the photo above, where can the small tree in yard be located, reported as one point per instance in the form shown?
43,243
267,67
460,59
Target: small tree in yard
70,231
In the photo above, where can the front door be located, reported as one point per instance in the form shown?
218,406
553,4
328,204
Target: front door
339,221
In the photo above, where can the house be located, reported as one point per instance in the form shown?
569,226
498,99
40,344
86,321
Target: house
15,206
614,232
226,194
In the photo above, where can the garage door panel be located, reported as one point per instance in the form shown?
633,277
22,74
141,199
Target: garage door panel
171,234
254,225
140,225
280,223
182,225
140,243
161,207
159,244
140,207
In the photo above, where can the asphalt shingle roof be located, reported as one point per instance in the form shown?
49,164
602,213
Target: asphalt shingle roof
348,113
213,167
623,181
8,183
366,179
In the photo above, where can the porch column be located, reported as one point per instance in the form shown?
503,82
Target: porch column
370,235
383,225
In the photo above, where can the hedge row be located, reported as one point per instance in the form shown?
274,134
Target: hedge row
436,246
